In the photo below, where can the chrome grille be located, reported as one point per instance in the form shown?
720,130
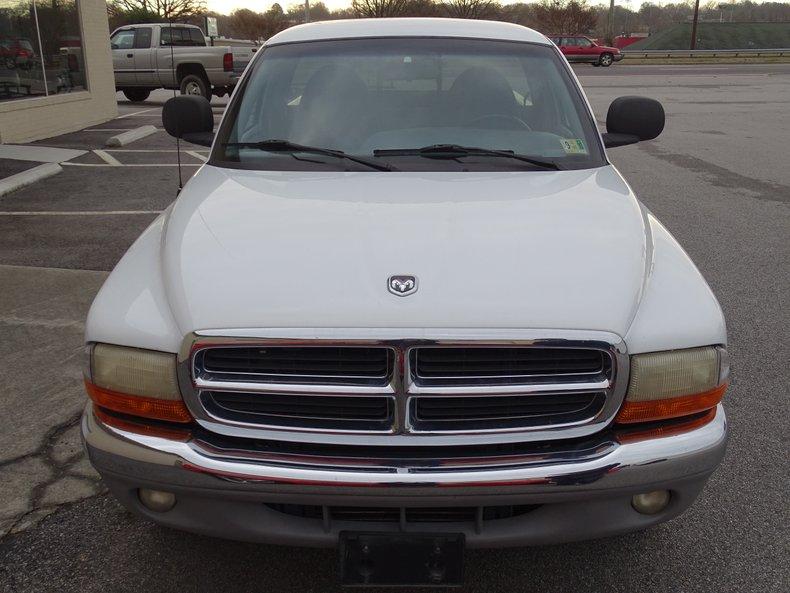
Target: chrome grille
379,392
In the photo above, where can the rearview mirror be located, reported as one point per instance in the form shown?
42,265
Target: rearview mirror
633,119
189,117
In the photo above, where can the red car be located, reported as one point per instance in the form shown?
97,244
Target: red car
580,48
15,52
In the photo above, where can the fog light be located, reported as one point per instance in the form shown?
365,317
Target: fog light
156,500
651,503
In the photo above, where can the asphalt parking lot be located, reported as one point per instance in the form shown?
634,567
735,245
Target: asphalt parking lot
718,178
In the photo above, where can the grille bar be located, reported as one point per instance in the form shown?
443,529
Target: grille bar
509,365
309,364
492,407
308,411
433,413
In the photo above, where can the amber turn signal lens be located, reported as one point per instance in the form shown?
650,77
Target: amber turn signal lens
135,405
663,409
633,434
143,426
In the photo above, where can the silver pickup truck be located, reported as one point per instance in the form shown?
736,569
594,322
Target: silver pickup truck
143,59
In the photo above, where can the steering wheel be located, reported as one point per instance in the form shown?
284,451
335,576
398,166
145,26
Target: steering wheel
503,121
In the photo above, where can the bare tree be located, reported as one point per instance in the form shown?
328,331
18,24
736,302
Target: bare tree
247,24
472,9
318,12
380,8
159,9
565,16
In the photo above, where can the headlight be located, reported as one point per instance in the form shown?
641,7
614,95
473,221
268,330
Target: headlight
674,383
135,381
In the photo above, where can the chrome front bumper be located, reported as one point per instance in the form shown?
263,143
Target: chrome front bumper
221,491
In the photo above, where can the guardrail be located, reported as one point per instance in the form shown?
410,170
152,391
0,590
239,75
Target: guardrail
706,53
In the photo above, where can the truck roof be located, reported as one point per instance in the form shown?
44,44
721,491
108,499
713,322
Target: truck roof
134,25
408,27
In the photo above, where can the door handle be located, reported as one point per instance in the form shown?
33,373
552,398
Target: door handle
129,55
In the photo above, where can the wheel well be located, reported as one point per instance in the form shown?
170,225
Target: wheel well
183,70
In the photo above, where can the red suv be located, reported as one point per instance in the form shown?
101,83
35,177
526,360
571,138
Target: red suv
579,48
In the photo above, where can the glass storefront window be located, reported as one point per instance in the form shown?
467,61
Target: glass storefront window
40,49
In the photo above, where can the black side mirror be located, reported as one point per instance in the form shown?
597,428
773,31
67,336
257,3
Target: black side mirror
190,118
633,119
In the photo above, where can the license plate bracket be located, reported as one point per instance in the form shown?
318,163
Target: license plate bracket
401,559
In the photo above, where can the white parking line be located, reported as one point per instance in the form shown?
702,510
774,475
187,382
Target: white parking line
132,165
107,158
109,129
135,113
196,154
82,213
149,150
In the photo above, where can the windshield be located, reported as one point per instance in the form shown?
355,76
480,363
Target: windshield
385,99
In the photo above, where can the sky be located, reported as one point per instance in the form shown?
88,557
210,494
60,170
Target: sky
228,6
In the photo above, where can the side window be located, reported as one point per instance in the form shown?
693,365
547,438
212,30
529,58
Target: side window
174,36
197,37
180,37
584,42
123,40
143,38
571,42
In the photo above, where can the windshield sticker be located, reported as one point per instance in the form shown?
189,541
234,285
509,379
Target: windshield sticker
573,146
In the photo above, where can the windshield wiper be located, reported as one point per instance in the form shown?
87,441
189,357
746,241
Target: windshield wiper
286,146
453,151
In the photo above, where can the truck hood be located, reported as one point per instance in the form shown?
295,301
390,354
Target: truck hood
542,250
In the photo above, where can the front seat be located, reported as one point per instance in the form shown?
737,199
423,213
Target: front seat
330,110
478,92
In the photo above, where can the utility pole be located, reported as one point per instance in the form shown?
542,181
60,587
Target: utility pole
307,11
694,26
610,41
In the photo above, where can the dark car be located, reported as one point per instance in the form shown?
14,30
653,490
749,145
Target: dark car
580,48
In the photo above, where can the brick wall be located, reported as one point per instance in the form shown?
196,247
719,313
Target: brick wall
24,120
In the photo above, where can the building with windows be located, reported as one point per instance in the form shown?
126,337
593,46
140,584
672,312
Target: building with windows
56,72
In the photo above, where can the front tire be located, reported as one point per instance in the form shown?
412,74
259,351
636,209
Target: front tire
192,84
136,95
606,60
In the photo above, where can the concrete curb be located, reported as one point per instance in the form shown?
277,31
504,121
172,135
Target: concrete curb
20,180
130,136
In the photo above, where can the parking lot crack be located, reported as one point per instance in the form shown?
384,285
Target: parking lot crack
49,467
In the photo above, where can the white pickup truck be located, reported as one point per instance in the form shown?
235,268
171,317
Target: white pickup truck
408,306
143,59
